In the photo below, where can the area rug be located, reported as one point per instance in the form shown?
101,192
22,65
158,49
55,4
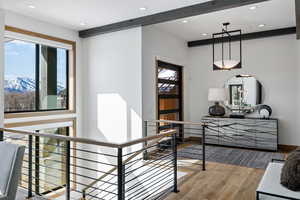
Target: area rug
232,156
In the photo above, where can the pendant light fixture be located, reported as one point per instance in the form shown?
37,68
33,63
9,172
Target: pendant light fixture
226,60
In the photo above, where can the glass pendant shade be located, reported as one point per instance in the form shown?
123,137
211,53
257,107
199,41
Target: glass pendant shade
226,64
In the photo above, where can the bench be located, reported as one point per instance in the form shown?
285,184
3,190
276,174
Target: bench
270,188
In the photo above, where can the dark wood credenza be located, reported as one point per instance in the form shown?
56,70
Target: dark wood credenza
254,133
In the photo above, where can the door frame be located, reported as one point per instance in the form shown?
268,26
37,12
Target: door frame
181,93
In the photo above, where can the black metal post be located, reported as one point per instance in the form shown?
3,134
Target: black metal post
174,147
37,165
121,175
1,135
145,154
30,167
203,147
68,172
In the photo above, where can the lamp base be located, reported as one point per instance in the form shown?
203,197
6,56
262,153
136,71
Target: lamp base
216,110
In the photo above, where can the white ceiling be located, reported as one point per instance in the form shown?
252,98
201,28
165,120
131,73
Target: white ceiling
70,13
274,14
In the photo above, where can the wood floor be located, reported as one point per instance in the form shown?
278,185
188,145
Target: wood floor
219,181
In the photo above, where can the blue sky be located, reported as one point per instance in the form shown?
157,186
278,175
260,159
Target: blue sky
20,61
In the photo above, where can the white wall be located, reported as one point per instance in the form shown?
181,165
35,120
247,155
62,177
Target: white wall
298,87
166,47
31,24
273,61
113,86
1,68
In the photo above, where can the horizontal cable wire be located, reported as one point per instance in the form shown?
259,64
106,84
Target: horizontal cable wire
165,183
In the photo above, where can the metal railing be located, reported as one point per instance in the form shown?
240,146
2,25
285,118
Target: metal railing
63,167
137,177
190,137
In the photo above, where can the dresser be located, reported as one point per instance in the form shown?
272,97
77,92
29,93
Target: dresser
254,133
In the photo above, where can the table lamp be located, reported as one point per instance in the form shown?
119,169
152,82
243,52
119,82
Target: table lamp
217,95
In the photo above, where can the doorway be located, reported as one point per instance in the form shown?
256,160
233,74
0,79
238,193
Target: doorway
170,95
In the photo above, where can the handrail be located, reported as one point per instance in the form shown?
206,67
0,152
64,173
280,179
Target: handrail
101,143
148,138
85,140
177,122
64,138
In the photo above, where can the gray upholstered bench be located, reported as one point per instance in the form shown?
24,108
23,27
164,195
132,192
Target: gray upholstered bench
270,188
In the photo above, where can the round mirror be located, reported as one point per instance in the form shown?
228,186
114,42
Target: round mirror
244,93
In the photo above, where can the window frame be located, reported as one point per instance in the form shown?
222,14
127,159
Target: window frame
70,75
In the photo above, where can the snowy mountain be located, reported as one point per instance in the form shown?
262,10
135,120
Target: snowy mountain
23,84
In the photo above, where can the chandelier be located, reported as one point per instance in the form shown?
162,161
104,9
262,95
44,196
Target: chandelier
223,59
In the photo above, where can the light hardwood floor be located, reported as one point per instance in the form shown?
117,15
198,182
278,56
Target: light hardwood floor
218,182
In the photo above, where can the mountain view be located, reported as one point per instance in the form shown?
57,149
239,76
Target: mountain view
23,85
20,94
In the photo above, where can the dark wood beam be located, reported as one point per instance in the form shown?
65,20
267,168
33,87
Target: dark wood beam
297,7
198,9
247,36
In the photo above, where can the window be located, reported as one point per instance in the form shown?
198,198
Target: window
51,160
36,77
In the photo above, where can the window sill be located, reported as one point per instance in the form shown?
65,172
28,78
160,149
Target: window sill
37,114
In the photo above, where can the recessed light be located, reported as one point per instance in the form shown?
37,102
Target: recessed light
204,34
253,7
261,25
143,8
185,21
31,6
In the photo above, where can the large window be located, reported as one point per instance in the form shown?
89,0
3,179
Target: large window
36,77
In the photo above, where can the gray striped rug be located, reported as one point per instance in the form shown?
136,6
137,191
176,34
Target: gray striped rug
232,156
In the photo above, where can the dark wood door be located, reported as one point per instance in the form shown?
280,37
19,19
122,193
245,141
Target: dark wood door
169,94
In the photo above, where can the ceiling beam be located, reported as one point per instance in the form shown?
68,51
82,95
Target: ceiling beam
297,7
247,36
189,11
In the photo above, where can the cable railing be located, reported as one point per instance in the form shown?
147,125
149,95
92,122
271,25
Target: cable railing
132,170
64,167
190,137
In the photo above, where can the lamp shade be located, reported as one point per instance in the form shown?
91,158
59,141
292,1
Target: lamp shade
227,64
217,94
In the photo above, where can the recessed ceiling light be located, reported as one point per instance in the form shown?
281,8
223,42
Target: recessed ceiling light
185,21
31,6
253,7
143,8
82,24
204,34
261,25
